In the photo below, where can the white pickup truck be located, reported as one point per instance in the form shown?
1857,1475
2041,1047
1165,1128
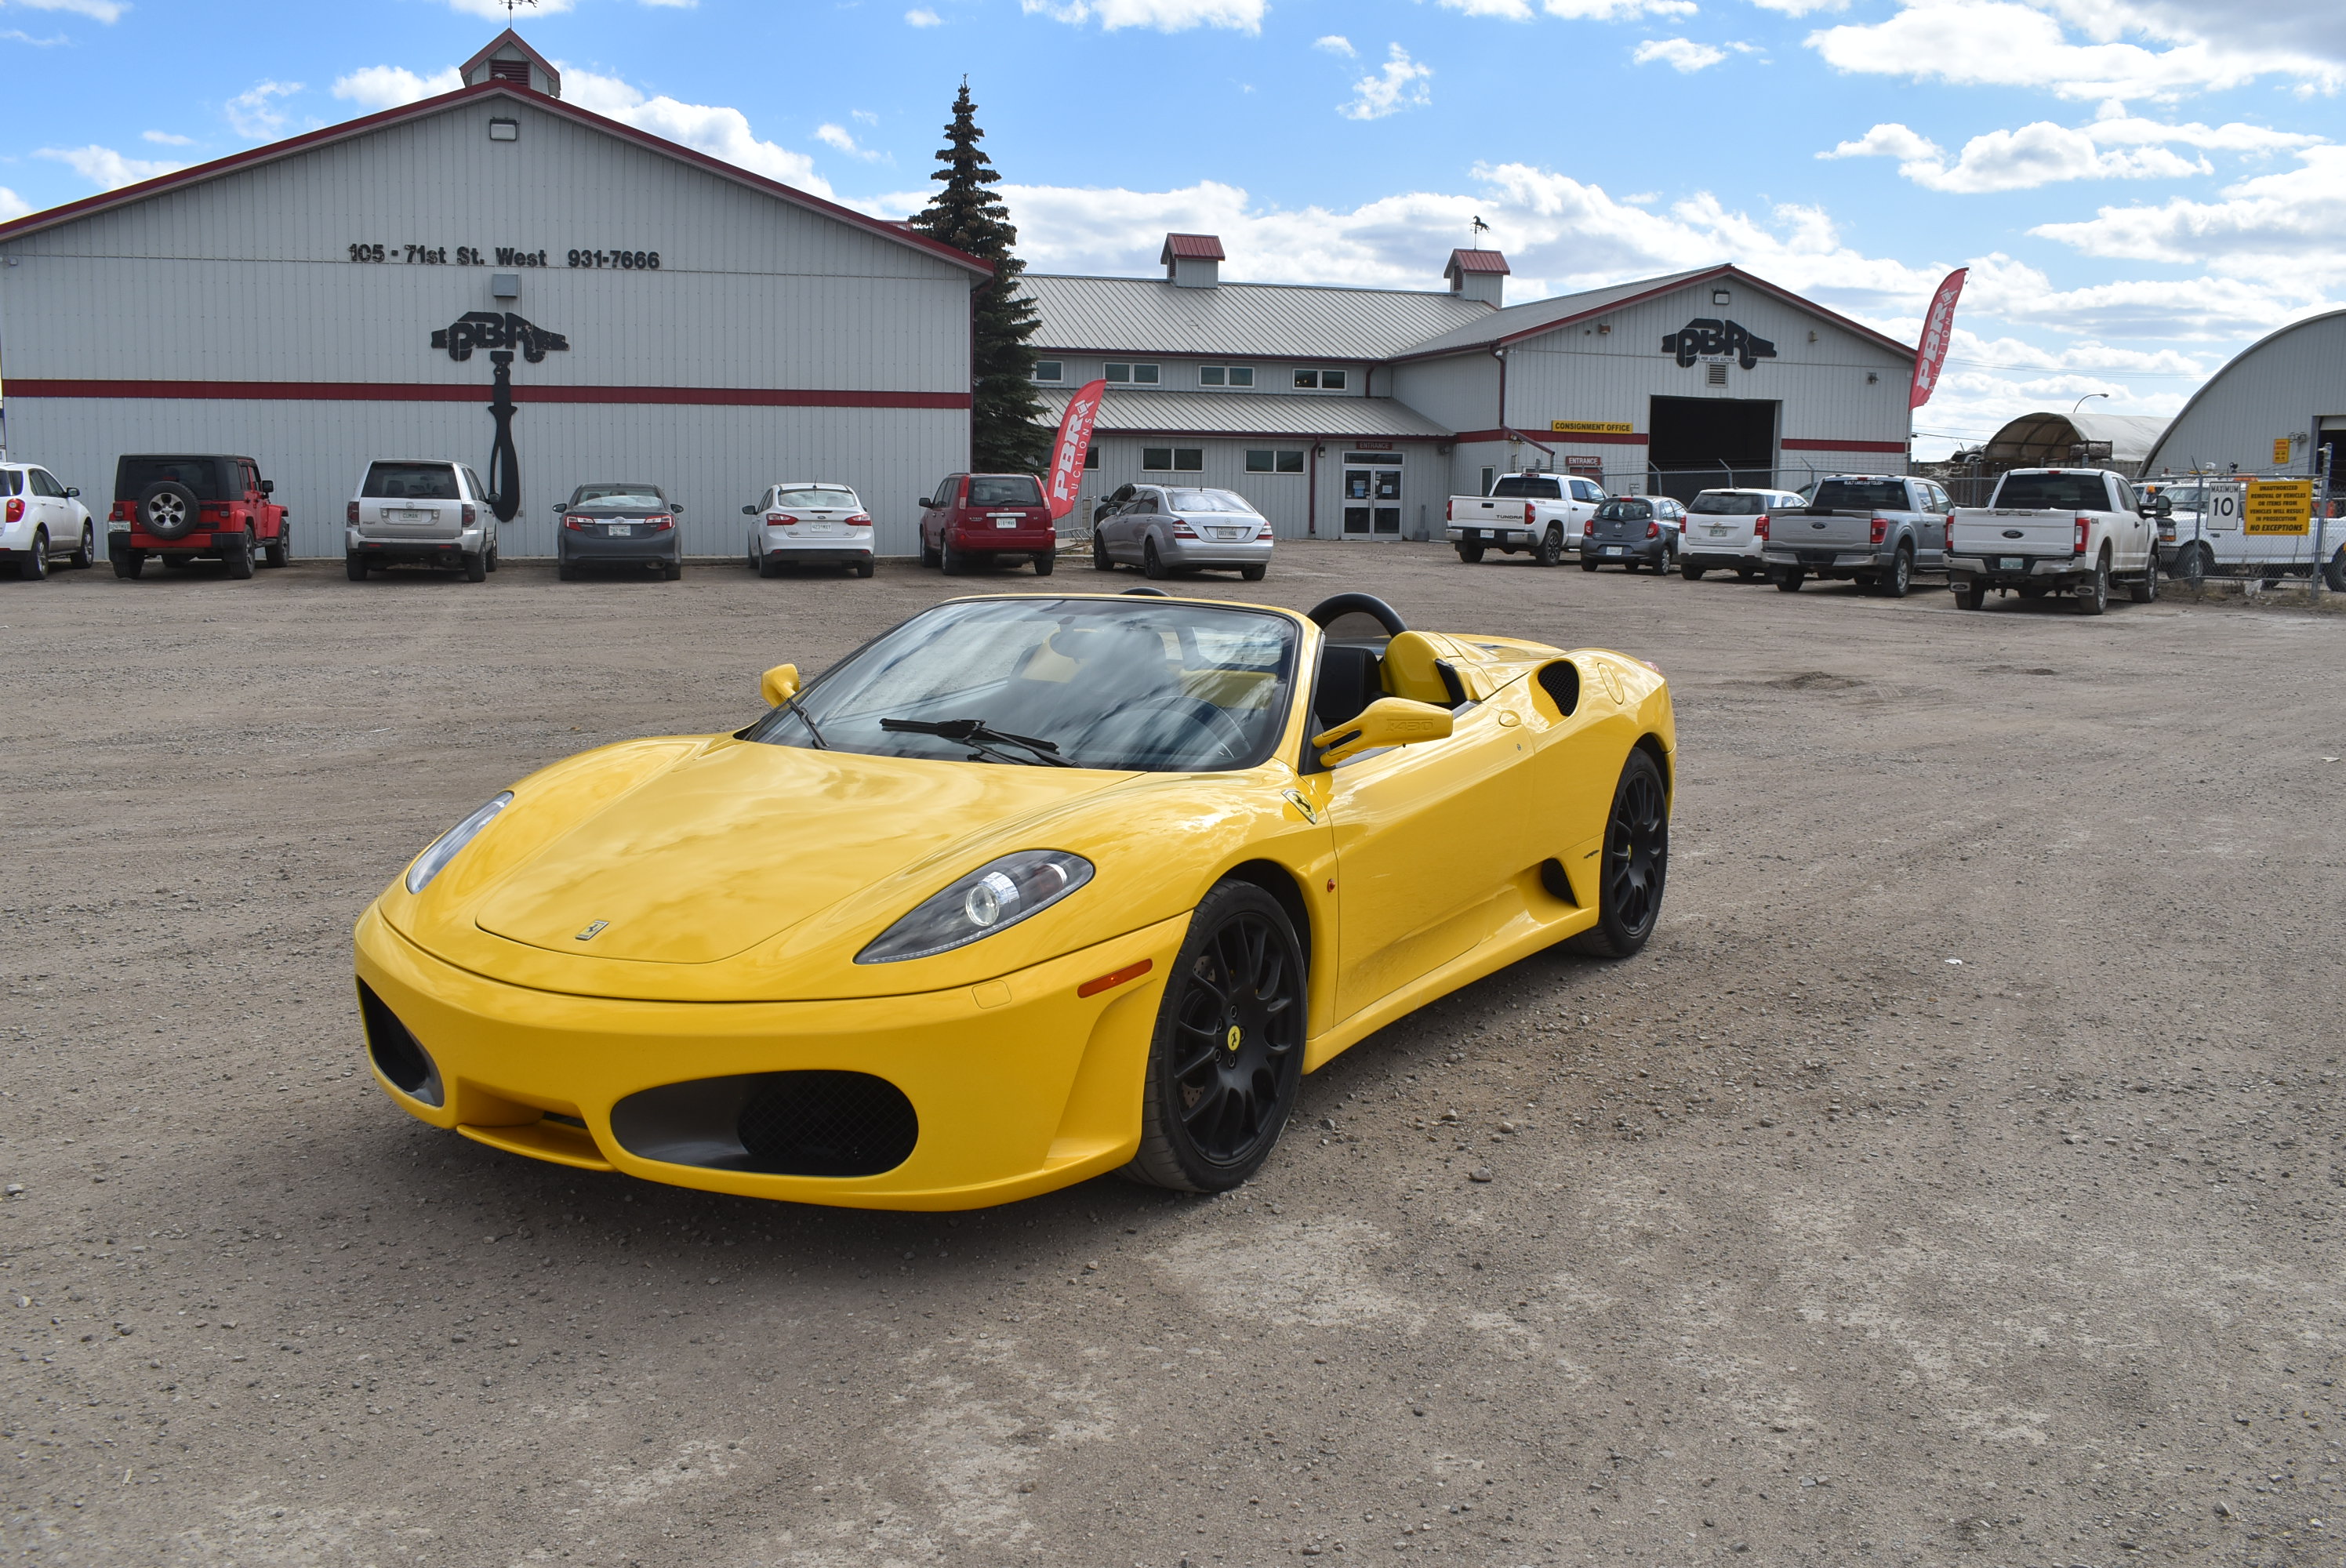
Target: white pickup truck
2200,536
1541,513
2071,531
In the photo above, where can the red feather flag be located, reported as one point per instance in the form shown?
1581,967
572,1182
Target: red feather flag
1937,327
1074,444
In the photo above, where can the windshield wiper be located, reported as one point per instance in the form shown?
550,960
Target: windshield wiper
791,703
978,733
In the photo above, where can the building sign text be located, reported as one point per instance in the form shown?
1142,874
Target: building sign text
1707,337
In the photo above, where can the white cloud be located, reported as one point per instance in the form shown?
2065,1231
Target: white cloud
2045,154
720,132
839,138
1682,55
1801,8
2004,43
923,18
2279,228
18,35
12,205
1573,10
107,11
1337,44
495,10
249,114
1399,85
105,167
167,139
387,86
1164,15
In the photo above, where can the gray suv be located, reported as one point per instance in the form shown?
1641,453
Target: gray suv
427,512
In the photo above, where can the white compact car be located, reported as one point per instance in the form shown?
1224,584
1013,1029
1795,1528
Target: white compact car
1726,529
41,520
809,523
426,512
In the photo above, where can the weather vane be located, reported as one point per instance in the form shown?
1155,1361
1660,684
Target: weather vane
1479,226
509,9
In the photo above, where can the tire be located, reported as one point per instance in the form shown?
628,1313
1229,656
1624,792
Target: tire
1631,566
1550,552
1637,861
240,558
672,570
33,564
167,509
476,567
1789,580
1470,554
951,559
1900,581
354,565
769,564
129,564
1100,562
2334,574
930,554
866,568
1045,563
750,555
2092,595
2144,590
1690,572
1152,565
1747,574
1211,1110
1251,574
1971,595
279,552
2194,564
493,554
83,558
1587,562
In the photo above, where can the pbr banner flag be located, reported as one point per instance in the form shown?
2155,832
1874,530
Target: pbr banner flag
1937,327
1075,442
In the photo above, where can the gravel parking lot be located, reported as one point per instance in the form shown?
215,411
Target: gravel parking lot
1957,1177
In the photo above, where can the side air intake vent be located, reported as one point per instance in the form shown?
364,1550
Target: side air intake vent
809,1124
1560,680
398,1054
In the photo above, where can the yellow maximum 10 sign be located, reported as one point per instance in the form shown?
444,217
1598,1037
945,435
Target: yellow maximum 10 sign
2278,507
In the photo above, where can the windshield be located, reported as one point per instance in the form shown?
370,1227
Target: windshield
1727,504
819,498
2183,500
2054,492
617,495
1003,490
1528,487
1860,495
1204,501
1624,511
410,482
1163,688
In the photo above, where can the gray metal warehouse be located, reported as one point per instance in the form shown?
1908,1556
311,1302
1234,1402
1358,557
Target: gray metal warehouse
696,325
2274,408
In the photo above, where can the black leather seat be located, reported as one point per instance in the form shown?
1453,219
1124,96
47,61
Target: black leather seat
1349,681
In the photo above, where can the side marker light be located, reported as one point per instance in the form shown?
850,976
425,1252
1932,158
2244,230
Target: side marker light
1110,982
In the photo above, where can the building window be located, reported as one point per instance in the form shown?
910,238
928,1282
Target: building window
1490,477
1225,375
1173,459
1049,371
1135,375
1321,380
1272,460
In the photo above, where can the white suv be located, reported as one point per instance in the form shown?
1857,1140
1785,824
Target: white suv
1727,530
39,519
427,511
809,523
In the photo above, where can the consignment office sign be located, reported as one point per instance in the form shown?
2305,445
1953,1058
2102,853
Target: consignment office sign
2278,507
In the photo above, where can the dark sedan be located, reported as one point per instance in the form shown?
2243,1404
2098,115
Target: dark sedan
619,524
1625,533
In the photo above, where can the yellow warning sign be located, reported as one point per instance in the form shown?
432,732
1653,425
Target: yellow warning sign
2278,507
2280,451
1590,427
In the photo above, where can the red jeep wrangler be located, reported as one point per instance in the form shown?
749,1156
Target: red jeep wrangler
975,517
179,508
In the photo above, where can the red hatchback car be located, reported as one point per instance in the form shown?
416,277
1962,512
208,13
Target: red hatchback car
975,518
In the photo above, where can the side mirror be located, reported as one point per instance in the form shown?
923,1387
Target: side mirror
1388,721
74,490
749,511
561,506
924,503
676,507
780,684
268,487
2161,506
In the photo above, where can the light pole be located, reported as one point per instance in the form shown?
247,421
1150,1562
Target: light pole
2083,401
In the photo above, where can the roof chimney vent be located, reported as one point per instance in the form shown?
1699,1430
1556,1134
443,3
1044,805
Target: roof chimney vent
1193,261
509,60
1477,275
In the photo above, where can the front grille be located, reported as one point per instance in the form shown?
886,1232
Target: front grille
398,1054
828,1124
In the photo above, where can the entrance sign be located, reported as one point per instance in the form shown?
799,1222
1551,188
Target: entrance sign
1588,466
1938,327
1074,444
2278,507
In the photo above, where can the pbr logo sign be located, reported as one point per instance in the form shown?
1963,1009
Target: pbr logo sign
492,329
1706,338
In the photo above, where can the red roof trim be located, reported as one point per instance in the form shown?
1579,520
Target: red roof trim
107,200
1559,437
1804,443
523,392
1192,247
1726,269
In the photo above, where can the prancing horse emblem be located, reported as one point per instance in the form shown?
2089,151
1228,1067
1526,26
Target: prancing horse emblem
592,932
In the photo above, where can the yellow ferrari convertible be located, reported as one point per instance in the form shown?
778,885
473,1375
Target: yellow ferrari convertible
1026,889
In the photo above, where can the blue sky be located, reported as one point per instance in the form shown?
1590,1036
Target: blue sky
2140,186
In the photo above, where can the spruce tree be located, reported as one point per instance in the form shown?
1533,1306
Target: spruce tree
1003,434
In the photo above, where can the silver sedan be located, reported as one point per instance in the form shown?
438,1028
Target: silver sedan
1169,528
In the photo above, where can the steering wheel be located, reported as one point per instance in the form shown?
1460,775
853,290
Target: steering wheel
1201,713
1326,611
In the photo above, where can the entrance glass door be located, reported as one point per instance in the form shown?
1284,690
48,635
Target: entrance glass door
1372,494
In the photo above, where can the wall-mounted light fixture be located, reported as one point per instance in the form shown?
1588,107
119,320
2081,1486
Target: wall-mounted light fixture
502,129
1720,297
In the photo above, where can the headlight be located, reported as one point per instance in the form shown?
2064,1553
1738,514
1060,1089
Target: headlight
443,849
990,899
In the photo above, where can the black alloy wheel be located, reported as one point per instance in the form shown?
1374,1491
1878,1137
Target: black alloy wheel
33,564
1100,563
1152,565
1637,861
1551,546
1226,1059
